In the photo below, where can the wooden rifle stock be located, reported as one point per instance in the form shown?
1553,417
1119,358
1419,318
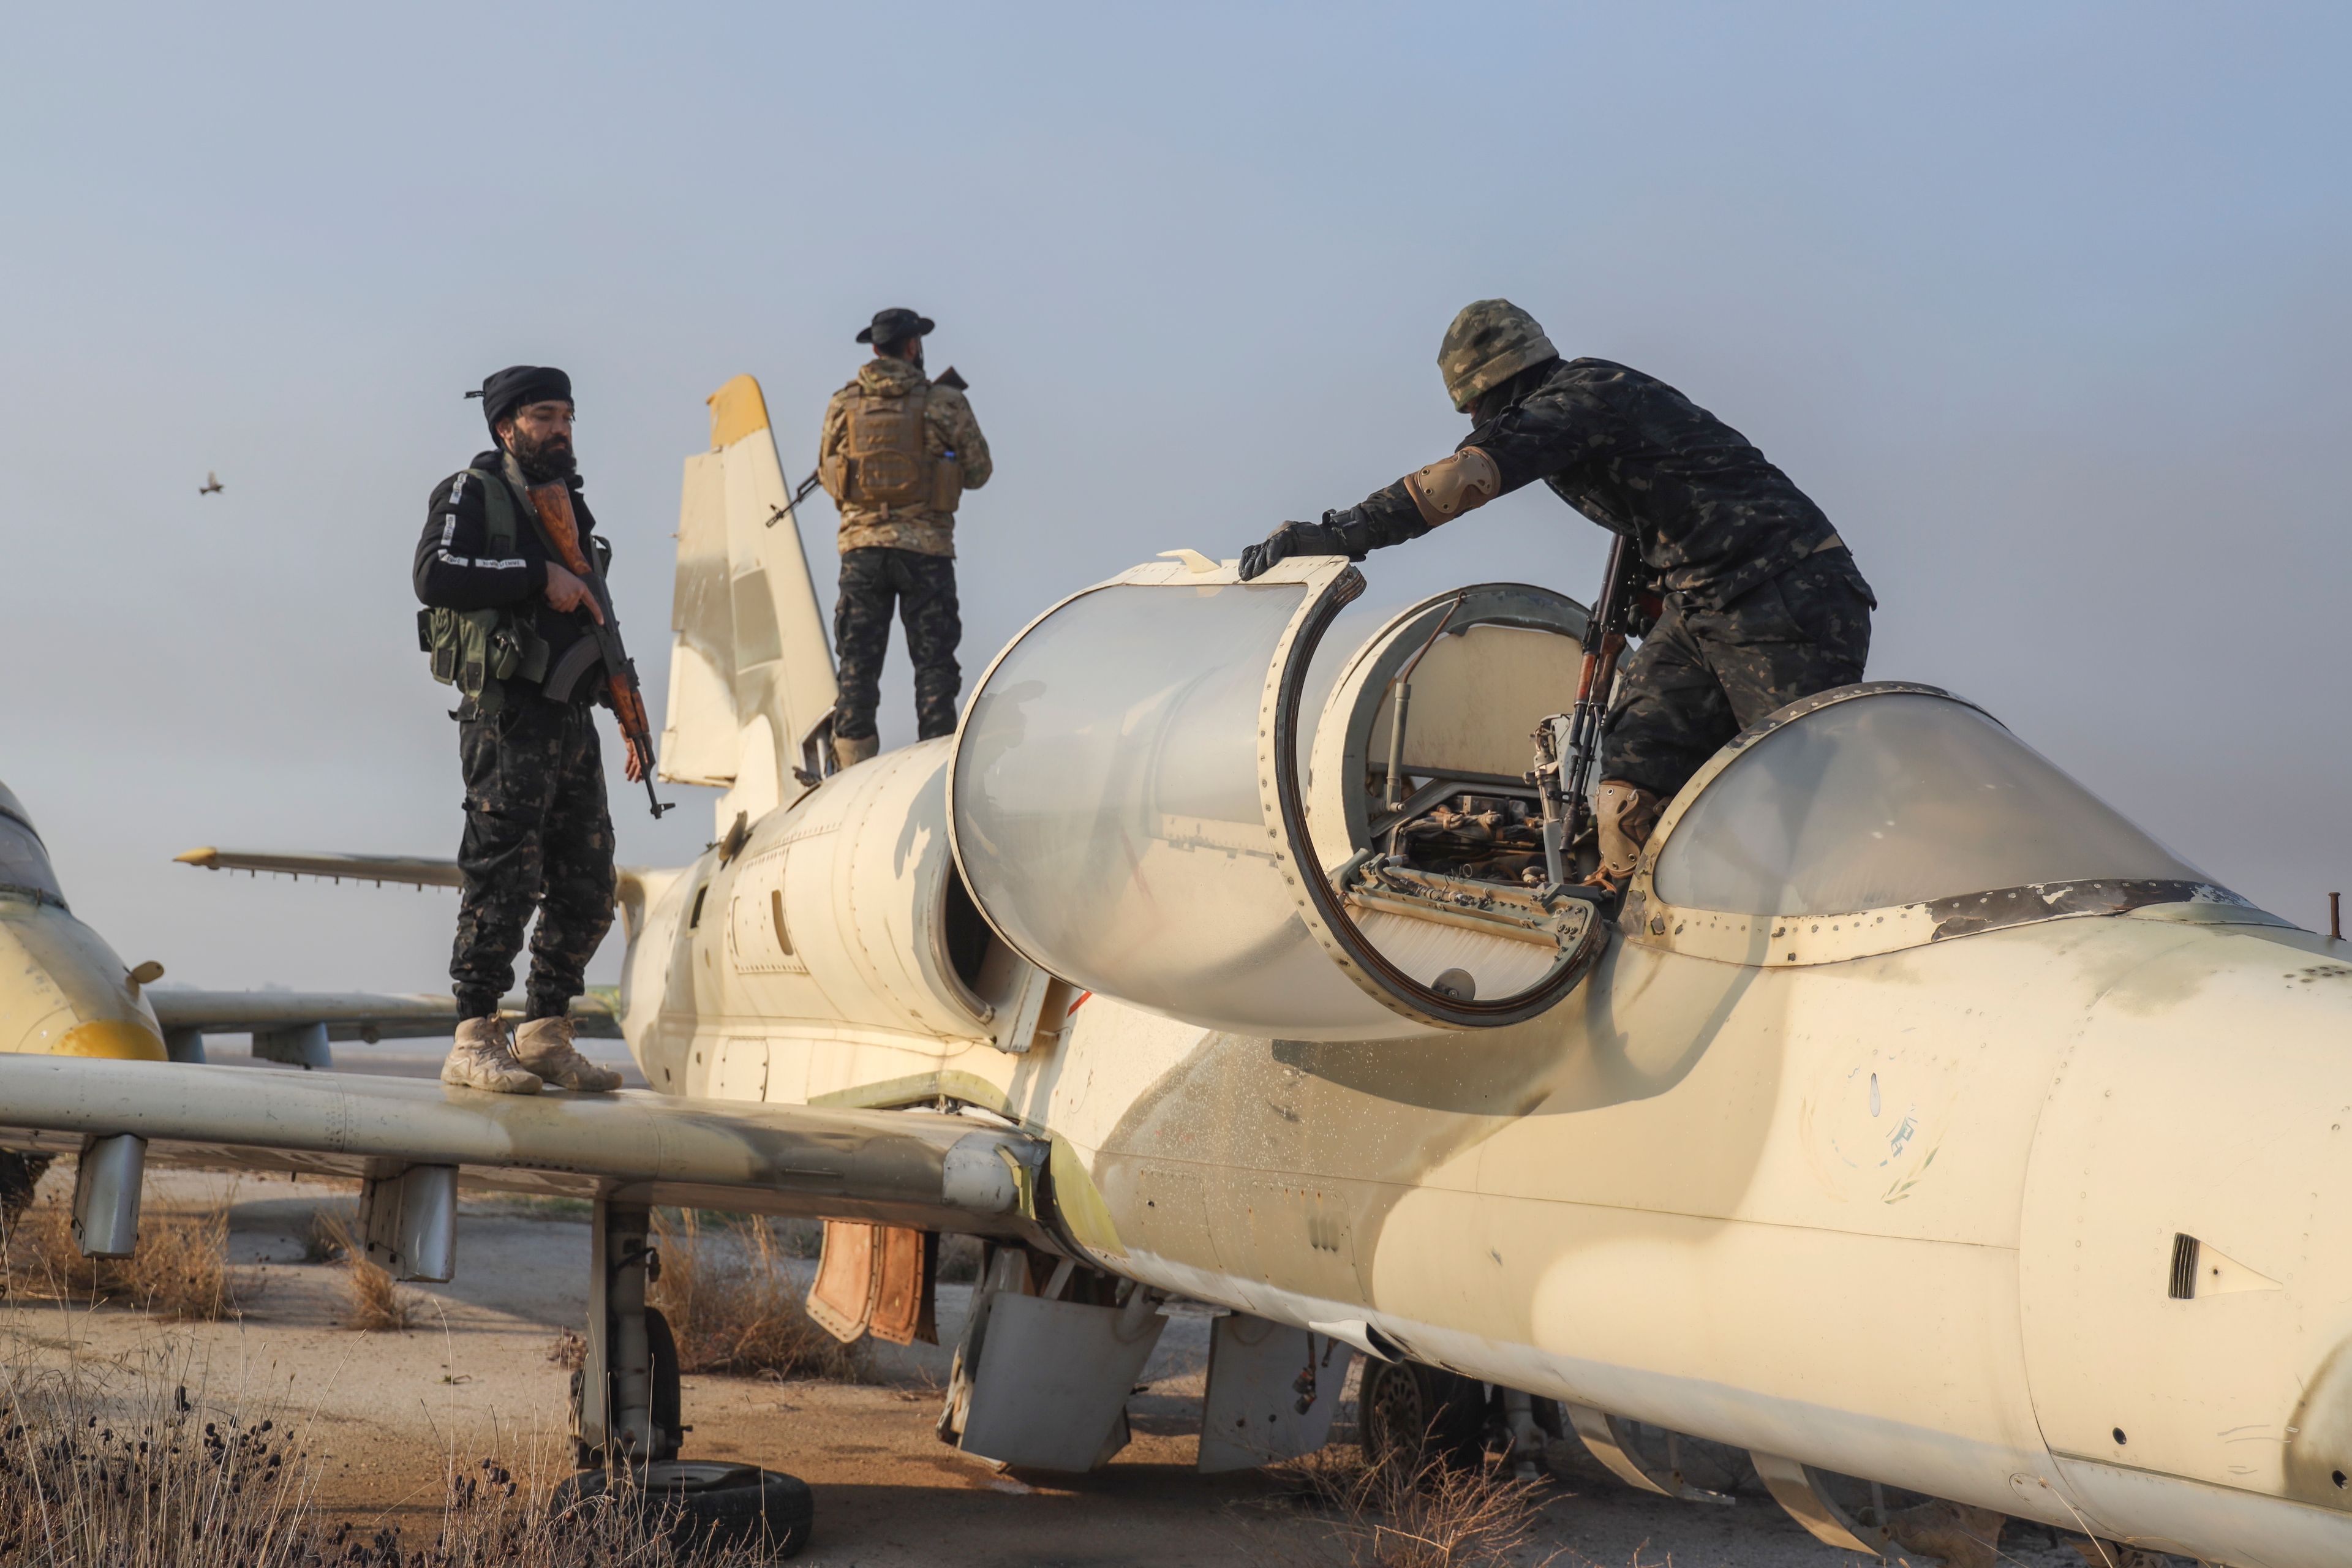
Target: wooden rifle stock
553,504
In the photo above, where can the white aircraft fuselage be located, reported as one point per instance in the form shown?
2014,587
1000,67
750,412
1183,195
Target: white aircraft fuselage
1910,1215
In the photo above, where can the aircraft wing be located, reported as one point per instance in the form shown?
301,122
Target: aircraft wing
907,1168
409,870
348,1015
400,870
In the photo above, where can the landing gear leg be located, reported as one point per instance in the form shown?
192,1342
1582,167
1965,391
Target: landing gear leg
622,1390
625,1408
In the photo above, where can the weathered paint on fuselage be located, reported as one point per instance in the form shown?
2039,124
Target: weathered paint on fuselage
63,991
1908,1216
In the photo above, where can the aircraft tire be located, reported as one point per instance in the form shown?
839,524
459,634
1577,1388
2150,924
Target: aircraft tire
713,1503
668,1398
1411,1415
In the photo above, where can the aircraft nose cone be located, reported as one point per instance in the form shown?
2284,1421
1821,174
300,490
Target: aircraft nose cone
63,992
121,1038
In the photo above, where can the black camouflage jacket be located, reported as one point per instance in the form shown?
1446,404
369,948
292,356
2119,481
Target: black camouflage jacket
455,570
1714,518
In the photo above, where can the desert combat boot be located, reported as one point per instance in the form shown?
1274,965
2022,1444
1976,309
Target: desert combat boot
480,1059
544,1045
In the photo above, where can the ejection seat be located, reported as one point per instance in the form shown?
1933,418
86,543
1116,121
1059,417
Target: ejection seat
1274,807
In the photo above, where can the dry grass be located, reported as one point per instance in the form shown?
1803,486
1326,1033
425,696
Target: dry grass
133,1473
328,1238
377,1304
569,1349
733,1306
802,1239
179,1271
19,1175
1441,1516
960,1259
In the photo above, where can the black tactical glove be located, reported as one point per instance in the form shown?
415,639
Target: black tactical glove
1339,534
1642,615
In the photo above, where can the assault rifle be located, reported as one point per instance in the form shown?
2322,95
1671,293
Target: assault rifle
1568,745
948,377
552,502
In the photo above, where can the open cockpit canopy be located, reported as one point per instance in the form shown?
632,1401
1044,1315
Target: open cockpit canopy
1231,803
1875,799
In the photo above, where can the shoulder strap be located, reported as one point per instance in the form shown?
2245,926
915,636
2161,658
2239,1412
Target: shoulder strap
498,513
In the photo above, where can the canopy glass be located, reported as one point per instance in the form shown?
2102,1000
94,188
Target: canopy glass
1890,799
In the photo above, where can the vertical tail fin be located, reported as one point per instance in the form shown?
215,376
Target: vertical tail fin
751,673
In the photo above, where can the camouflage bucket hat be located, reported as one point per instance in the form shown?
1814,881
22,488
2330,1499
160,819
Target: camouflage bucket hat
896,325
1490,342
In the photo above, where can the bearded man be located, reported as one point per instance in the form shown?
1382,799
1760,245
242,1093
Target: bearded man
501,610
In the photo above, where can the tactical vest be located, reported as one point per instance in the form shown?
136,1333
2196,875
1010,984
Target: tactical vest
478,651
883,461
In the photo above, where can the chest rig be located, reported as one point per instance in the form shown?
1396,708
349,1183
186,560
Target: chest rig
478,651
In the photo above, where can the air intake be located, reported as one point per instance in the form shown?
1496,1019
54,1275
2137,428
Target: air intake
2185,1252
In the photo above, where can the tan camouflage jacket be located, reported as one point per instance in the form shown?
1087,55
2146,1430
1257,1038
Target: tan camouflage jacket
950,428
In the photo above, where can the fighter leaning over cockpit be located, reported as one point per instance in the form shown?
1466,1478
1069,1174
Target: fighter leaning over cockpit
1762,601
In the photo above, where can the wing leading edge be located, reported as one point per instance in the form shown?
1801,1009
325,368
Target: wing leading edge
906,1168
348,1015
405,870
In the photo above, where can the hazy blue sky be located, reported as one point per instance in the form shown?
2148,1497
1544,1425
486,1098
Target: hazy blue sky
2046,305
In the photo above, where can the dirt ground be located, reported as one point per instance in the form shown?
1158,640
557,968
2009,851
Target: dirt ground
388,1412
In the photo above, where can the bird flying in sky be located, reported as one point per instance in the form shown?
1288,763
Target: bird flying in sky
212,485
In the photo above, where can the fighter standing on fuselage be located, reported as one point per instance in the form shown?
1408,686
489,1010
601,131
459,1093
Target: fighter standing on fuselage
897,454
502,611
1763,601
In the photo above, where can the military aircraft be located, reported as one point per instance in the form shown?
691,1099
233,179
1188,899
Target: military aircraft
1917,1124
65,992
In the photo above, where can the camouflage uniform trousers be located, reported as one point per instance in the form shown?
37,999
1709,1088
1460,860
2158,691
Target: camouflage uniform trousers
924,588
538,838
1701,676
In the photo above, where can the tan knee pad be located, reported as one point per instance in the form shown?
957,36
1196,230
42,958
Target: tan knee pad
1625,814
